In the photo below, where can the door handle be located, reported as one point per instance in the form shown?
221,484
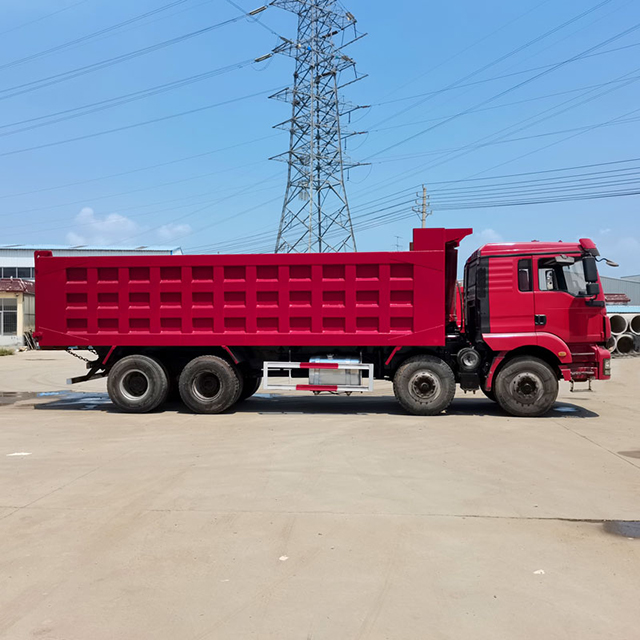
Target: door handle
540,320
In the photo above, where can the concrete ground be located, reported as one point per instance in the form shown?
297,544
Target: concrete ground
300,517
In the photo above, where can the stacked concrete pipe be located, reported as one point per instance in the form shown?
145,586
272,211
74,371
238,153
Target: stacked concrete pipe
619,324
625,333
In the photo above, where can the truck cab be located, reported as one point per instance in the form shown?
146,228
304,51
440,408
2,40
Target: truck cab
540,300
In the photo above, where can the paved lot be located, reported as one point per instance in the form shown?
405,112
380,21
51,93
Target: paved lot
300,518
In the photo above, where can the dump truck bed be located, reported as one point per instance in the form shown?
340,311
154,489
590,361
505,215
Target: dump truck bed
351,299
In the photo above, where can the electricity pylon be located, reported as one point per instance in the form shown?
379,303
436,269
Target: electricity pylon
315,213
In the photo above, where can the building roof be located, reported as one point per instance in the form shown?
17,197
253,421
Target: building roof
16,285
623,308
63,247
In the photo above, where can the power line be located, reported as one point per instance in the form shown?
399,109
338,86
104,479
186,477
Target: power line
504,57
41,18
545,134
573,33
137,170
71,74
608,122
89,36
500,106
201,209
128,127
542,172
468,48
152,187
624,79
403,202
500,77
382,215
109,103
401,212
252,16
154,212
513,87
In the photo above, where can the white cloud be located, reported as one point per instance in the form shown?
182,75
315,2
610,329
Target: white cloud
107,230
489,235
171,231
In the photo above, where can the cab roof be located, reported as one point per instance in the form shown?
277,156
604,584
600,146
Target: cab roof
525,248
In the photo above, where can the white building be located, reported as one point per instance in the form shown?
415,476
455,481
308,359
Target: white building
17,311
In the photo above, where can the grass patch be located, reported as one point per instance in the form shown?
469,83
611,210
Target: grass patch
6,352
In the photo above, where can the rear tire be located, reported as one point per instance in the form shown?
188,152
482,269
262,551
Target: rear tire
250,386
137,384
424,385
209,384
526,387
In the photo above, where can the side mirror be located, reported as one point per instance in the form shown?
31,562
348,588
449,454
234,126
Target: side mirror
593,289
524,283
590,269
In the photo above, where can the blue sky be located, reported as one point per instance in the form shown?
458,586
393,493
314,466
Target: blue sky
203,180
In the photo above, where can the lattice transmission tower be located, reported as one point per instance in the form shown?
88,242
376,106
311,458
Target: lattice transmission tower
315,214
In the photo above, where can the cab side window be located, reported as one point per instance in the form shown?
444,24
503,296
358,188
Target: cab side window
569,278
525,275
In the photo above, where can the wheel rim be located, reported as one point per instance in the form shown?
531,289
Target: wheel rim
527,387
134,385
206,386
424,386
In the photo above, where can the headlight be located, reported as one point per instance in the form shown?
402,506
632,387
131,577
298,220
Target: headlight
606,367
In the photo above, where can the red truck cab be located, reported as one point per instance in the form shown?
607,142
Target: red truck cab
540,299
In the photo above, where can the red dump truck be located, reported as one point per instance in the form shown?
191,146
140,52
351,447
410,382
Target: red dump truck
216,327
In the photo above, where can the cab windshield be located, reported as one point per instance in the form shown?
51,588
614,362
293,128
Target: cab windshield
567,277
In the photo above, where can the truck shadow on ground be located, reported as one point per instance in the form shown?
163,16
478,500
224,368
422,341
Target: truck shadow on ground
263,403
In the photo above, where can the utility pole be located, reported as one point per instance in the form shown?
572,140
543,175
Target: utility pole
315,214
398,245
422,208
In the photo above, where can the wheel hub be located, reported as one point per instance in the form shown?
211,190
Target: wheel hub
424,385
134,385
206,386
526,387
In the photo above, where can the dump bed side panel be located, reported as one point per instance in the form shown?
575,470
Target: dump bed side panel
363,299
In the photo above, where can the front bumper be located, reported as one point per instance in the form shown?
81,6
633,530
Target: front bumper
595,365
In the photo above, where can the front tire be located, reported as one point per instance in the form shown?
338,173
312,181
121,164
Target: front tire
209,384
526,387
137,384
424,385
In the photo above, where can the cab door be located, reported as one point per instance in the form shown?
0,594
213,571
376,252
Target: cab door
511,291
561,303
